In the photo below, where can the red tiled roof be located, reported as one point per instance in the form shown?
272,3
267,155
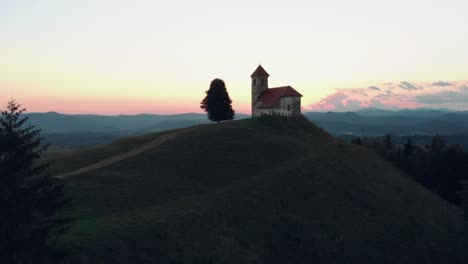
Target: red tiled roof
272,95
260,72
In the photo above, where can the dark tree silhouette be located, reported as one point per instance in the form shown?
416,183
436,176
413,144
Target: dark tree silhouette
217,102
464,196
438,144
29,198
408,148
438,166
388,142
357,141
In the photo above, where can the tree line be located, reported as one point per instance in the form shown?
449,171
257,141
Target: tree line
440,167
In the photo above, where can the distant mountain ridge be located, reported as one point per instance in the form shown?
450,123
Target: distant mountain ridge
376,122
418,112
366,118
53,122
71,131
86,130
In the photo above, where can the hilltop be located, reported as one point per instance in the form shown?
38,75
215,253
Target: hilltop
265,190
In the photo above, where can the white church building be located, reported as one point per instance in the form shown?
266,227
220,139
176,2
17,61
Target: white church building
280,101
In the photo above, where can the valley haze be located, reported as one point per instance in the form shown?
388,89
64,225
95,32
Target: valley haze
90,130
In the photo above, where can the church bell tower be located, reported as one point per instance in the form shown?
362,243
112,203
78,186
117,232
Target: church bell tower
259,85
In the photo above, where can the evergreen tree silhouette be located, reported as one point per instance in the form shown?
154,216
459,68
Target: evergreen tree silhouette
388,142
408,148
217,103
437,144
29,198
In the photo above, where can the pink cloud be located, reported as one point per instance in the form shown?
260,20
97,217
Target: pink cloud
452,95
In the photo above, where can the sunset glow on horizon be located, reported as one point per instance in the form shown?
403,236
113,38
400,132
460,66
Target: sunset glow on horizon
130,57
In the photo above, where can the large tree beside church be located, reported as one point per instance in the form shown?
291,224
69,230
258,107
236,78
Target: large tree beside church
29,198
217,103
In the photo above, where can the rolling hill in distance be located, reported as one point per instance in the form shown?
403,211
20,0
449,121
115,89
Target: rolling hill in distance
264,190
53,122
353,123
75,131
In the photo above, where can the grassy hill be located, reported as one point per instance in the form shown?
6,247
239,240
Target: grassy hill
252,191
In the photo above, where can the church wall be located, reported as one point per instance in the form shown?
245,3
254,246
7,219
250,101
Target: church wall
265,111
256,111
281,108
296,105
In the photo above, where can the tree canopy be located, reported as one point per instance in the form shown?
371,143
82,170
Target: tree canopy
29,197
438,166
217,103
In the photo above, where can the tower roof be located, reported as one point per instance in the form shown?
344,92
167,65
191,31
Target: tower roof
260,72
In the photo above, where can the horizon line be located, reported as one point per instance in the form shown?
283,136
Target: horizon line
241,113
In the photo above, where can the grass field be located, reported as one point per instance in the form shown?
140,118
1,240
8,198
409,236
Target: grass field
267,190
63,161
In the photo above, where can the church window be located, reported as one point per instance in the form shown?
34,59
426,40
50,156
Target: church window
262,81
254,81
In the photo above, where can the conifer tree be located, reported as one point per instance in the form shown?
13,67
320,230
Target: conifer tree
29,198
388,142
464,198
408,148
437,144
217,103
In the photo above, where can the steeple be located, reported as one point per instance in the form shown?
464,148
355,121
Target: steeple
259,85
260,72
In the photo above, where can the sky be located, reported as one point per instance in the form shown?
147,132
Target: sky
142,56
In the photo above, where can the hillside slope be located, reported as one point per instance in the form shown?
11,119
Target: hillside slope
254,191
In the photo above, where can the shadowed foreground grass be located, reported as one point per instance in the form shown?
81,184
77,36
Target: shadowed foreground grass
267,190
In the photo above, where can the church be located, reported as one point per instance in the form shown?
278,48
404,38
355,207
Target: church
280,101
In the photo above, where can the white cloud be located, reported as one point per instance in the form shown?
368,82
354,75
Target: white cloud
441,83
409,86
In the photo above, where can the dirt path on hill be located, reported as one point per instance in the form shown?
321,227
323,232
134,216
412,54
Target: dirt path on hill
134,152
